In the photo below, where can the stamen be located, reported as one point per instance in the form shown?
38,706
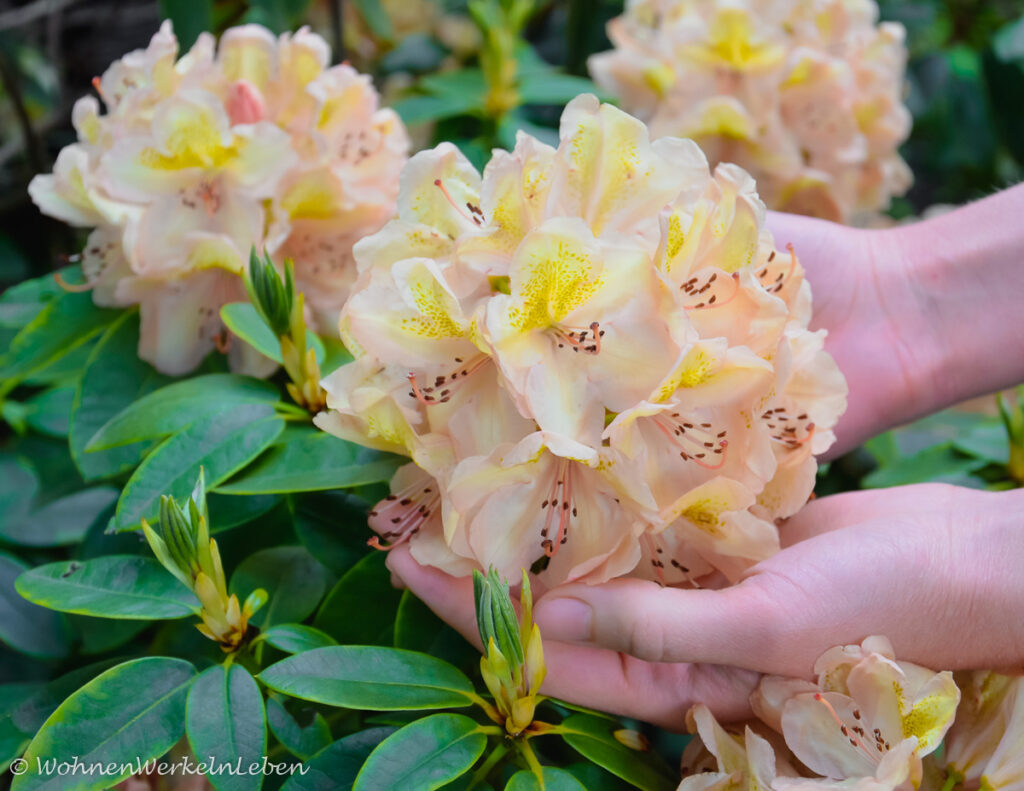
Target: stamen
587,341
852,733
692,289
446,384
222,341
702,444
74,288
773,285
473,218
564,508
403,514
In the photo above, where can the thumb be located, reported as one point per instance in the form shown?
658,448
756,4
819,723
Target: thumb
732,626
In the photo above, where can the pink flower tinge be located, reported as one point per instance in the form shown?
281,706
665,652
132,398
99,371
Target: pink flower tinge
594,355
256,140
807,96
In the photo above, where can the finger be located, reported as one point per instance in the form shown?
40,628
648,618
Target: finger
837,511
592,677
658,624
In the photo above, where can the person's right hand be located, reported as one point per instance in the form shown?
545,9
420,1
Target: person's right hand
921,316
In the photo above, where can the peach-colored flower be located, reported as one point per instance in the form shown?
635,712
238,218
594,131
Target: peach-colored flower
255,142
867,716
806,96
592,334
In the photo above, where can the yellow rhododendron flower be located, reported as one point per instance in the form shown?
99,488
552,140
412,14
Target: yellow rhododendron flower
807,96
595,356
256,140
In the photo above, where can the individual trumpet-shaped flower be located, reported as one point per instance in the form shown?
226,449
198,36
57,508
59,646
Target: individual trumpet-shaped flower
807,97
591,332
184,547
864,709
513,662
985,746
198,158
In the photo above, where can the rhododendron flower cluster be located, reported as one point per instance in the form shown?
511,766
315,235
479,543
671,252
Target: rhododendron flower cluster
255,140
595,356
804,95
867,722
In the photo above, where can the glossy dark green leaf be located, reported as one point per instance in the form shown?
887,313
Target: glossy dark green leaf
245,322
423,755
554,780
594,739
102,635
114,377
228,512
30,714
61,522
219,444
190,18
337,765
939,463
226,724
132,712
986,441
21,303
180,404
13,740
594,778
361,607
303,735
294,638
64,324
418,629
369,677
332,526
18,487
50,411
116,586
420,109
24,626
292,577
306,459
553,88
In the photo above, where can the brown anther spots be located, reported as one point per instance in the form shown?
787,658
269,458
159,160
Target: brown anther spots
725,291
446,382
405,513
560,494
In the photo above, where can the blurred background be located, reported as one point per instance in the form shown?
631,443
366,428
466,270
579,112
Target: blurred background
474,71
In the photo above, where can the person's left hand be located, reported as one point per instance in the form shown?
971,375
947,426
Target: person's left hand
934,568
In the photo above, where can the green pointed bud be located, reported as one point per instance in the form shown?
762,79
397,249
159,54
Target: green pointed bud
162,554
525,609
269,295
254,601
197,500
496,617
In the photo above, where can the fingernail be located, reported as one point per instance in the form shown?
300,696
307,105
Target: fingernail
567,619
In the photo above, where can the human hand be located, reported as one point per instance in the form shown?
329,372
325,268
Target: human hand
935,568
920,316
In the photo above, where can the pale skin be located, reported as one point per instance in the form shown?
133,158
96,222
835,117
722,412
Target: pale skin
919,318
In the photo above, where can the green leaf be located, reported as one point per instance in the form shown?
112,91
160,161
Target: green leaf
220,444
294,638
228,512
62,522
987,441
21,303
13,740
337,765
29,715
291,576
50,411
418,629
423,755
116,586
113,378
132,712
102,635
64,324
368,677
24,626
420,109
178,405
305,459
245,321
332,526
189,17
226,722
361,607
302,741
593,738
18,486
376,17
938,463
554,88
554,780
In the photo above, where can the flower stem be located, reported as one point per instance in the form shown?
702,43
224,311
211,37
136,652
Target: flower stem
951,780
531,760
485,768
